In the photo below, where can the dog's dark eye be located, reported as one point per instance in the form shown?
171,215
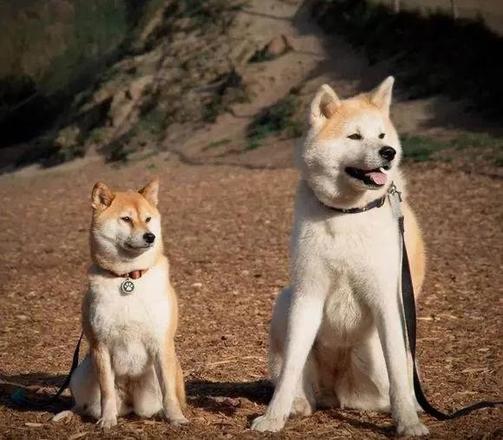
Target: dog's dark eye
148,219
381,136
355,136
126,219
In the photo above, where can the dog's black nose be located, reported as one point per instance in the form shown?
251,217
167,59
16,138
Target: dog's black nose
387,153
149,237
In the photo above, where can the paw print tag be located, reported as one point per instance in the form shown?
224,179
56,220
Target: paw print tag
127,287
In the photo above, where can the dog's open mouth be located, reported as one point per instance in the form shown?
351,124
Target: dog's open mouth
136,248
375,177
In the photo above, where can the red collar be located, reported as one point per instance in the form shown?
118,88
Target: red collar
135,274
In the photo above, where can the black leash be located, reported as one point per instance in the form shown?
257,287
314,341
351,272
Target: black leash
409,306
20,399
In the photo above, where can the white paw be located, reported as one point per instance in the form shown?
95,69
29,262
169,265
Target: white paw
412,429
175,417
178,421
106,422
268,423
301,407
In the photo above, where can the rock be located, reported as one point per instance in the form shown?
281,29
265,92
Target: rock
277,46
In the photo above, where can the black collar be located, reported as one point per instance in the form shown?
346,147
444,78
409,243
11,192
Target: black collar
377,203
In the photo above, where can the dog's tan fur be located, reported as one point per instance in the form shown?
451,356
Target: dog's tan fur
132,356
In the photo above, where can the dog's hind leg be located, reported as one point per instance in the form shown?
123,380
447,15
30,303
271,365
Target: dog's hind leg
363,382
304,400
85,389
146,395
86,393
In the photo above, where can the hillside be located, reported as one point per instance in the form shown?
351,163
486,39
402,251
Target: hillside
213,82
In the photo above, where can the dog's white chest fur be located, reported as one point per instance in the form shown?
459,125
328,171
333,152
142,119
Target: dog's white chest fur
130,325
353,249
353,255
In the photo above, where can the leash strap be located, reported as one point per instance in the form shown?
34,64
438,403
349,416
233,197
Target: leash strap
409,307
19,397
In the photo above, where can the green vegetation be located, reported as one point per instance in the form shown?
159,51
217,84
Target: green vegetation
478,140
280,118
422,148
153,123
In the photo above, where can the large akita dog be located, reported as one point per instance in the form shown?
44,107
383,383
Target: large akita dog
336,333
129,314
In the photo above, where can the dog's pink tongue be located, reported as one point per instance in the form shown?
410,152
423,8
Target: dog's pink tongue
377,177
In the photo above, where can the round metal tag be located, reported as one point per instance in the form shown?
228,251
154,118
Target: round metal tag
127,286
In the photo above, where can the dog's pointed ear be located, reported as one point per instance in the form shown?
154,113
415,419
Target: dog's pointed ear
101,196
151,192
381,95
323,106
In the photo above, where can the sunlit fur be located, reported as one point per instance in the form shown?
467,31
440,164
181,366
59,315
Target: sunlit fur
131,365
327,149
336,333
118,245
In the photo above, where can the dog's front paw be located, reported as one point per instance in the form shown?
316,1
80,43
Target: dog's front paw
268,423
415,429
178,421
175,417
106,422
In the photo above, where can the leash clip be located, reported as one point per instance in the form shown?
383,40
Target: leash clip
395,199
394,191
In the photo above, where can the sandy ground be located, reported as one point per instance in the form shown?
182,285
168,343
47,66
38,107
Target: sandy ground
226,230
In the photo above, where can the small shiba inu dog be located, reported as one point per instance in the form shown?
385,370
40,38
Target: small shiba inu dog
336,335
129,314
